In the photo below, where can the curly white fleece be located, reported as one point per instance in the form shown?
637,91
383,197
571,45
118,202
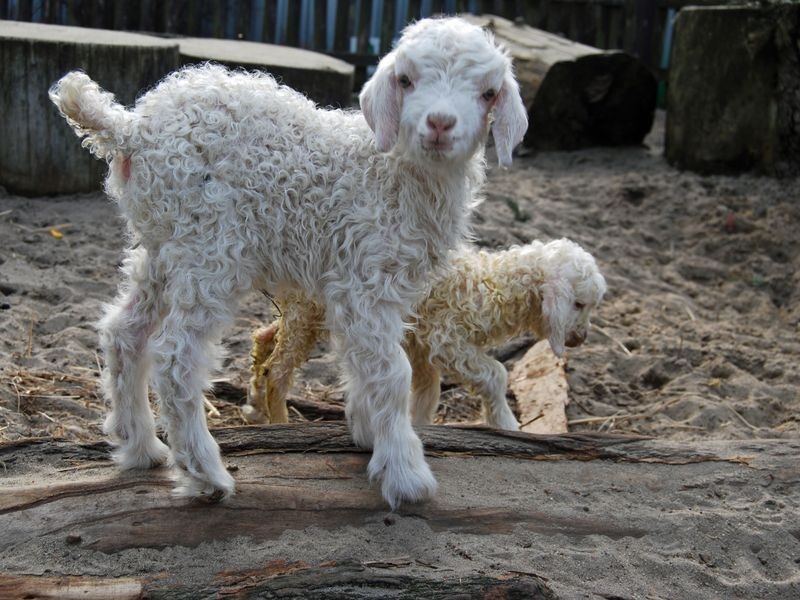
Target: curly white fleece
230,181
482,301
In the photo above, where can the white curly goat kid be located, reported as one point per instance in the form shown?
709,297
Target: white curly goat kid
482,301
231,182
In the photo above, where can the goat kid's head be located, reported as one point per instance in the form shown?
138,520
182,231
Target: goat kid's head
573,288
435,95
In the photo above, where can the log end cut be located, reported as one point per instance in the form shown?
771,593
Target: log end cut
605,99
733,99
326,80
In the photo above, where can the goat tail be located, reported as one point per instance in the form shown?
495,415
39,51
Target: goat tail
93,114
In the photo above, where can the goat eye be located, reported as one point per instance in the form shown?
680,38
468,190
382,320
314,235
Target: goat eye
489,94
580,305
404,81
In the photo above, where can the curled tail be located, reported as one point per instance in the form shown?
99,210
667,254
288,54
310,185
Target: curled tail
92,112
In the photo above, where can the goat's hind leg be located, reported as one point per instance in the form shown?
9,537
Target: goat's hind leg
278,350
425,385
124,333
185,352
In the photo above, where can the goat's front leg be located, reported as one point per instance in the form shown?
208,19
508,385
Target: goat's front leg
378,377
124,333
485,377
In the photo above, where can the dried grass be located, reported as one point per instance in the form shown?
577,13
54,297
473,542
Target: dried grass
45,403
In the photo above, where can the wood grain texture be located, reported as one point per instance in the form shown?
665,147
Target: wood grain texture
540,385
39,153
75,527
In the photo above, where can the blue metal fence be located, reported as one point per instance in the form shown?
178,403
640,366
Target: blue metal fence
361,30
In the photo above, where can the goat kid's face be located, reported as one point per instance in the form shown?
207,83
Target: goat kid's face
434,96
568,300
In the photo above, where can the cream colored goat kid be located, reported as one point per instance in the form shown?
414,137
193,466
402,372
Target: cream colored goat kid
485,299
231,182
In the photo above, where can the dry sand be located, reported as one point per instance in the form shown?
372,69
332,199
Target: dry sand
697,339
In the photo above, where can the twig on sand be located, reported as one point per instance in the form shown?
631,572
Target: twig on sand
6,212
44,229
613,339
529,421
683,425
48,417
742,419
211,409
298,413
47,228
585,420
689,312
30,337
19,396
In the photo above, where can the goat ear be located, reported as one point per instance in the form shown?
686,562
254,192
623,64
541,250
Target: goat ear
557,301
510,120
380,103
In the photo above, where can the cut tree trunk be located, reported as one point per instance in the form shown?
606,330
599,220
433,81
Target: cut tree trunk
577,96
326,80
306,523
39,152
733,101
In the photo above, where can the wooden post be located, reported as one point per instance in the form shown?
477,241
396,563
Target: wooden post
733,99
326,80
39,153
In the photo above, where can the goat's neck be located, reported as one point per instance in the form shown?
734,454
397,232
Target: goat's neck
517,309
439,198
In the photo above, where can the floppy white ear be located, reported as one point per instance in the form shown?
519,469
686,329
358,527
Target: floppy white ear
557,301
380,103
510,120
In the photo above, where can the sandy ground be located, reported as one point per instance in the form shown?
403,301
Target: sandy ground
697,340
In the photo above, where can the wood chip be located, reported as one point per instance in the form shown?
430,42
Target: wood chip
540,384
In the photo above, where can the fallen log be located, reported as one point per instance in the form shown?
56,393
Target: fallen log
733,97
39,153
577,95
306,522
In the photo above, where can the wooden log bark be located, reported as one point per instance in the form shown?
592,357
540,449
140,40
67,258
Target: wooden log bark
306,523
577,95
39,153
326,80
733,99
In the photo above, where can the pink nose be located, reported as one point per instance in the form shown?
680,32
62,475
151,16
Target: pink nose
441,123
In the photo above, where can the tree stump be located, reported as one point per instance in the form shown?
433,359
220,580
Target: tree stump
326,80
516,516
39,153
733,98
577,95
